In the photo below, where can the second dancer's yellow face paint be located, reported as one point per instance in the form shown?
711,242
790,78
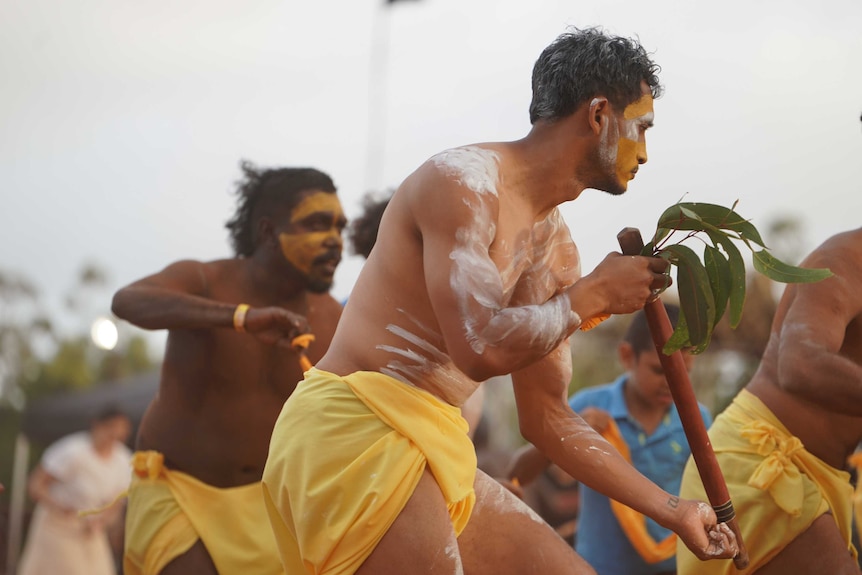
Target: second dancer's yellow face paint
321,220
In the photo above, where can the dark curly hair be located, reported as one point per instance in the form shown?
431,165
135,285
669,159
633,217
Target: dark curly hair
262,191
362,232
582,64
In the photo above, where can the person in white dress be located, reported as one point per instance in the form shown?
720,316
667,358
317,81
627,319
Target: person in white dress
76,486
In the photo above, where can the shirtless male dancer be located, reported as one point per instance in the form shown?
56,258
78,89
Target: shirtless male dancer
474,275
195,504
783,443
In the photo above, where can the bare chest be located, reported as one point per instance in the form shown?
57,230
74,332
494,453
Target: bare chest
535,260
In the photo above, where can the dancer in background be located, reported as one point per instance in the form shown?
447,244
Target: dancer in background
232,358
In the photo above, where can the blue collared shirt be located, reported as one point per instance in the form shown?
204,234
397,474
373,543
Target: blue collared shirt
660,457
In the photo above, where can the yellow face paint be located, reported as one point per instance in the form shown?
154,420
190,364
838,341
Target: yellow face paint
313,203
627,159
632,145
301,249
640,107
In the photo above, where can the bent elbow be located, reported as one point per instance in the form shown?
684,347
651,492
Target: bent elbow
489,363
531,429
481,367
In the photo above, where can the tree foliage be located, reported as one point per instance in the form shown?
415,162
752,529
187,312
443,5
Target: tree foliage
37,358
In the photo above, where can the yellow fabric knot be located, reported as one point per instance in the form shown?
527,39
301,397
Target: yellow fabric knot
777,473
763,436
148,464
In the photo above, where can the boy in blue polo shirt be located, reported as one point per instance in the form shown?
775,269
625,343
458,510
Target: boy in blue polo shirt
637,415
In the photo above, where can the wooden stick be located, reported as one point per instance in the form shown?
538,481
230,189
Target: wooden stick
686,403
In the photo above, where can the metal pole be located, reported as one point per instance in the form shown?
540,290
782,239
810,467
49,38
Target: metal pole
17,500
378,88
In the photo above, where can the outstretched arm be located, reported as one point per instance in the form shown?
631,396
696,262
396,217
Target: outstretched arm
174,298
565,438
177,298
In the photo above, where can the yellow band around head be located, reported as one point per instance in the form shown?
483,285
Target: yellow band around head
239,317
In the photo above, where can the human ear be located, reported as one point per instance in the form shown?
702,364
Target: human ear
598,109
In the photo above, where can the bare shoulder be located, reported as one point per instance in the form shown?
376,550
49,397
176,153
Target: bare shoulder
826,307
185,275
476,167
842,254
842,247
192,266
217,275
471,168
455,186
213,279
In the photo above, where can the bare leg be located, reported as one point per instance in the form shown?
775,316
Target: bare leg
505,536
195,560
816,551
421,540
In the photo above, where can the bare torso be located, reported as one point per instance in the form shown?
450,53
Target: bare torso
221,391
396,331
827,430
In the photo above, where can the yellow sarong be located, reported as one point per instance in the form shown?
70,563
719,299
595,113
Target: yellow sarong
778,488
856,461
168,511
345,456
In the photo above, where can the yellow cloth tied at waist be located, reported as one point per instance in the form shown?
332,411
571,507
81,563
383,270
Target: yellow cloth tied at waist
168,511
778,488
778,472
632,522
345,456
785,462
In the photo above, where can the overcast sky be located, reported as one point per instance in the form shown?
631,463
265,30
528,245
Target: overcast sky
122,122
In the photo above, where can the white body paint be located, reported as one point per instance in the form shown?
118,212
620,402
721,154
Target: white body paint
475,278
421,360
484,292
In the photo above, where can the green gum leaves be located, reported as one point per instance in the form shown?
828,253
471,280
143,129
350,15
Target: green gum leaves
715,284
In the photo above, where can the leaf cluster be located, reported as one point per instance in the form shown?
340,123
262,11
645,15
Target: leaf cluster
716,284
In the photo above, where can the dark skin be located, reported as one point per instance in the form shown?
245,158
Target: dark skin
810,377
222,390
411,282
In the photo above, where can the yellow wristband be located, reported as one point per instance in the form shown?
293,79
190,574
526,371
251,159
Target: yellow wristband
239,317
